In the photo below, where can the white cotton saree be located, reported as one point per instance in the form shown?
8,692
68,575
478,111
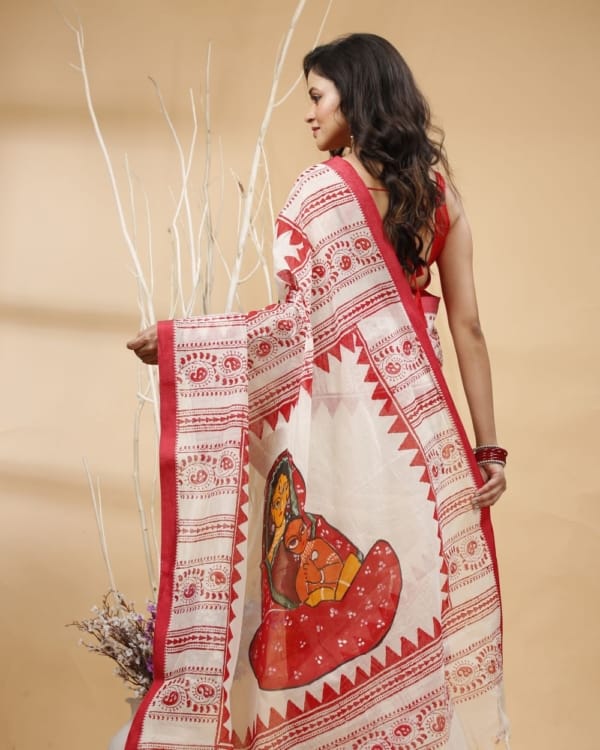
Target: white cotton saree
325,582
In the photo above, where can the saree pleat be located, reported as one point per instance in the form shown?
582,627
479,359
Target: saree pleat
325,582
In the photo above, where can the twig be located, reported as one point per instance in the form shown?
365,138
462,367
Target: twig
258,151
301,74
185,167
210,237
150,563
117,196
97,504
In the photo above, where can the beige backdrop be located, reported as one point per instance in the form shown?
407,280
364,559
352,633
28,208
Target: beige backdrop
515,85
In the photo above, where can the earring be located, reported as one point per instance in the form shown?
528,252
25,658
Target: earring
351,143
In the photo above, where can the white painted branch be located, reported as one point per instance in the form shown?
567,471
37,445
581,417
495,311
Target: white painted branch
258,150
178,291
149,288
131,200
207,290
269,192
150,563
149,231
301,74
97,504
111,173
184,164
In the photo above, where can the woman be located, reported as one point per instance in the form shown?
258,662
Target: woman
343,378
394,155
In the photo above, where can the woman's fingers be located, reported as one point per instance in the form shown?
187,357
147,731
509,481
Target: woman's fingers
145,345
134,343
493,488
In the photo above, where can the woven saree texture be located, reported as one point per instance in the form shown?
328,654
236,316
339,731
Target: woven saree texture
325,582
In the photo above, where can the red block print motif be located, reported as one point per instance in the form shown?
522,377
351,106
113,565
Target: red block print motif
323,602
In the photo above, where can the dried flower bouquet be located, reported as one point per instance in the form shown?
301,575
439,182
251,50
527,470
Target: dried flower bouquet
125,636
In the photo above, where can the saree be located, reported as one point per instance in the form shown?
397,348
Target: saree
325,582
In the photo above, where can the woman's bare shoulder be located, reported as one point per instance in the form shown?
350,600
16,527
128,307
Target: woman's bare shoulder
453,202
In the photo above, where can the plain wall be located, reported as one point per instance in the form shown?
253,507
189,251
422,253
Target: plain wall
515,86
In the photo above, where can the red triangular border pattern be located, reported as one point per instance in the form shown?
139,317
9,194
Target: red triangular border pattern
292,263
237,558
330,694
389,408
290,276
285,410
347,341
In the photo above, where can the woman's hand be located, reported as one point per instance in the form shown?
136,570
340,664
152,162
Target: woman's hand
145,345
495,484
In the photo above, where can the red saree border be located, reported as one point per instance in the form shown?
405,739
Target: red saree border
171,415
365,200
168,488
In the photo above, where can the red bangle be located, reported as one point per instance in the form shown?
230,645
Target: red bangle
490,454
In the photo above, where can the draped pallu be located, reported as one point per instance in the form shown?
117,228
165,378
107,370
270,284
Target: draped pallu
325,582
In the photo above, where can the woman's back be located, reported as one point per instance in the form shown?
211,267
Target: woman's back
432,245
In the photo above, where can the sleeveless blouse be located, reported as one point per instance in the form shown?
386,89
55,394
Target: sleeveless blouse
441,229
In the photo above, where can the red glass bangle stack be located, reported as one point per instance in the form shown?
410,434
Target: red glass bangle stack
490,454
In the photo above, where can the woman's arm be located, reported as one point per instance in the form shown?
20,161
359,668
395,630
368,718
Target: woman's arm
458,289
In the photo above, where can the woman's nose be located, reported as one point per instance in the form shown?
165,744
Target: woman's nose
310,115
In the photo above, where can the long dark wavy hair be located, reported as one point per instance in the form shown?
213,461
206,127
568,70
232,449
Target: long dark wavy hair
390,121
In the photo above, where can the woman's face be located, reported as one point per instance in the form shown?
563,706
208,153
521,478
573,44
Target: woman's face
279,500
329,127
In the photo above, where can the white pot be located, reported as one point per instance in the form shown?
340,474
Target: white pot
120,738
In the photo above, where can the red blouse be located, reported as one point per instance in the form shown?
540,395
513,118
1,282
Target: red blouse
442,227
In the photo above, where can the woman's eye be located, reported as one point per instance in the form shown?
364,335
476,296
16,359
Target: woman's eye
315,99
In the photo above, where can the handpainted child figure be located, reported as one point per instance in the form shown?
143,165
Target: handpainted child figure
322,575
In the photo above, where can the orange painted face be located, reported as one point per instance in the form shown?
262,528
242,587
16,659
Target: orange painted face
279,500
296,536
